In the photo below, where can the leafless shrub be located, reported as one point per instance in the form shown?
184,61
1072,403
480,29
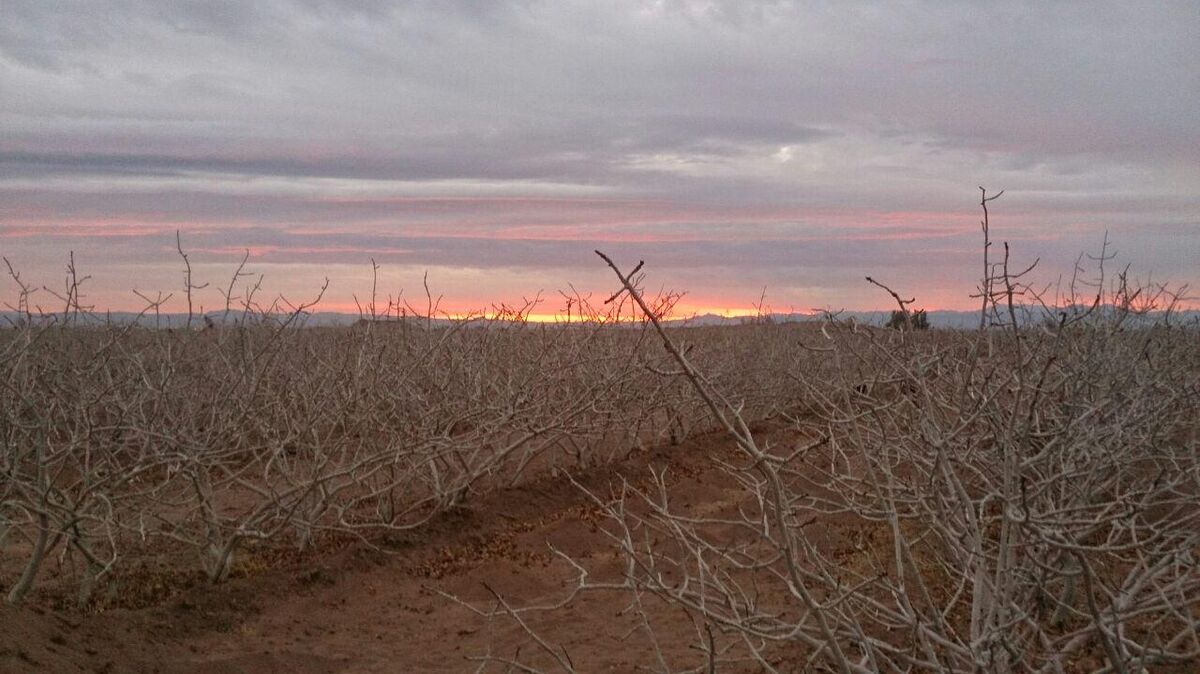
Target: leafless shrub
1021,498
119,441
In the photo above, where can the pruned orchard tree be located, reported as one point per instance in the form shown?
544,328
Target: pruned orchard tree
1024,497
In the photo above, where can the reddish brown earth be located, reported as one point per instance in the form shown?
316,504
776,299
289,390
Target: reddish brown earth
359,609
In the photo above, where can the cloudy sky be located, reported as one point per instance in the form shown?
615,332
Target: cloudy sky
732,145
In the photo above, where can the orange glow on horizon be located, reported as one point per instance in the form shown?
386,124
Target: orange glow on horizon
561,316
542,313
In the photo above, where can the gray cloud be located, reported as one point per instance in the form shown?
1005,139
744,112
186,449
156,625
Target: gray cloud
270,116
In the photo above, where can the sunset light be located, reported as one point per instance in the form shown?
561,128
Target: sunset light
573,336
733,146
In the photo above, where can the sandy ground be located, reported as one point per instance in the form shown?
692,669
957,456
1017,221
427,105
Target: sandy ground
357,609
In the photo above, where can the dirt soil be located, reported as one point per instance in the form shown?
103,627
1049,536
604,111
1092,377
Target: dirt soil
358,609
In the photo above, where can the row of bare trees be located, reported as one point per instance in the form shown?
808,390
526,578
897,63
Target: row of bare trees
1024,497
120,441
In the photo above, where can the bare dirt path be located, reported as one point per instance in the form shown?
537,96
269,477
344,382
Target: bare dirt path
362,610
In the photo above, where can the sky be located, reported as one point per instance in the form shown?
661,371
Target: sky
739,148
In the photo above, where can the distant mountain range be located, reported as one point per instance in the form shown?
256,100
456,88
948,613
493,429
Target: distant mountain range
937,319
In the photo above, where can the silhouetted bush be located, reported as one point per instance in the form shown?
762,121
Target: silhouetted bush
917,320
